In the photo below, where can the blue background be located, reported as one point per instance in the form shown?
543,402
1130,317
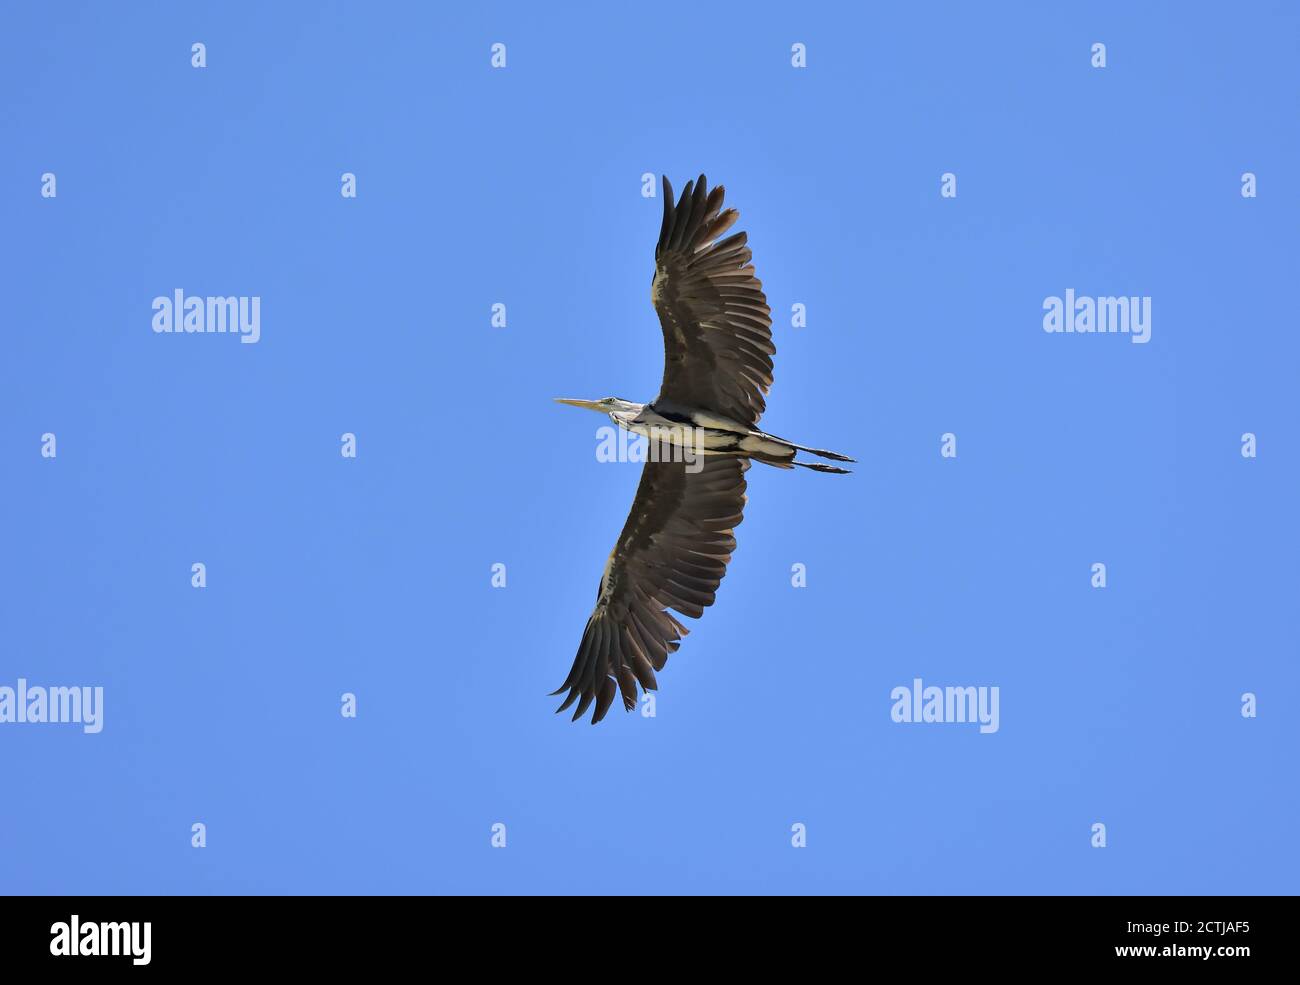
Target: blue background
523,186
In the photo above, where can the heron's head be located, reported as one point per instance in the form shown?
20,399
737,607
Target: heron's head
606,405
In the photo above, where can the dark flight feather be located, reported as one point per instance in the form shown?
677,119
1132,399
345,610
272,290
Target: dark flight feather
672,554
716,322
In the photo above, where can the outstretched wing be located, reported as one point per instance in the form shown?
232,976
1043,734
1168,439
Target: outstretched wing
672,553
717,325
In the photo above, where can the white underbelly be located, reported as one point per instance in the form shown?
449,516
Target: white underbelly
705,440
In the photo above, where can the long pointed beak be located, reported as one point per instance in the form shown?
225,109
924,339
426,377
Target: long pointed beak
585,404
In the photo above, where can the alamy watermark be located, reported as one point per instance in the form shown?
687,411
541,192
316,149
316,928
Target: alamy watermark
196,315
82,706
920,704
656,443
1085,315
73,938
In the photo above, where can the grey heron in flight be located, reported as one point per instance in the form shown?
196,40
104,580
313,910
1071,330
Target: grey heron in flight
675,546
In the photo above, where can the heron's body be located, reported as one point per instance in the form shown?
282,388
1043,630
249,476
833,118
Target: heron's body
697,429
675,546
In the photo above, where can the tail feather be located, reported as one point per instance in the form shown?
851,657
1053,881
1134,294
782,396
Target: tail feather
781,452
834,456
819,467
823,453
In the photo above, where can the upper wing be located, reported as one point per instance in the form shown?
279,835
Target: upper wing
717,325
673,552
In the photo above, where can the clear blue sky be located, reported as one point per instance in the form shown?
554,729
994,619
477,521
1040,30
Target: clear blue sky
1119,706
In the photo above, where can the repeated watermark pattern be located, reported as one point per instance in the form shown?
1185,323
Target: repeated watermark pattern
917,703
